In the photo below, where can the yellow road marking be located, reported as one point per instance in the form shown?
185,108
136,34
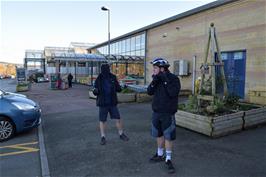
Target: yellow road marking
20,147
24,144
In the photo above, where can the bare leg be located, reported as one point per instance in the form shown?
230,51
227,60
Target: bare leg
160,142
168,145
102,128
160,146
119,125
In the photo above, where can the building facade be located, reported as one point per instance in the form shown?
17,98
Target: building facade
241,31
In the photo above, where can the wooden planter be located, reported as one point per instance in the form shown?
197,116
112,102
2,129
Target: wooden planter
227,124
122,97
211,126
22,88
126,97
143,97
254,117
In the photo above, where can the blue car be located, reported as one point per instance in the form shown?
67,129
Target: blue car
17,114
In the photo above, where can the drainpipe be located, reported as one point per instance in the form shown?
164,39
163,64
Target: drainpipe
194,75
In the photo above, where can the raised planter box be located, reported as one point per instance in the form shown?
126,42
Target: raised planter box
211,126
22,88
126,97
185,92
143,97
122,97
254,117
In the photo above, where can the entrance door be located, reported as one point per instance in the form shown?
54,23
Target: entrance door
235,70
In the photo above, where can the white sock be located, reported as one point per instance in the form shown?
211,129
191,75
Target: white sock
160,151
168,155
120,132
103,135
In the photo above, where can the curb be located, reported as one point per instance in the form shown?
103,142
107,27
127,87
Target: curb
45,172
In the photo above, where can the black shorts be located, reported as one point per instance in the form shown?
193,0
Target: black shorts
163,124
112,110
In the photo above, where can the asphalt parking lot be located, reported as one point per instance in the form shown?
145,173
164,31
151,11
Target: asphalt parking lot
71,134
71,137
20,155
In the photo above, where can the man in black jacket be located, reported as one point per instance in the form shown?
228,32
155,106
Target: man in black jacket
106,86
165,88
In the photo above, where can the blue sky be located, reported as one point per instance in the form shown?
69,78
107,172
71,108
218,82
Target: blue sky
36,24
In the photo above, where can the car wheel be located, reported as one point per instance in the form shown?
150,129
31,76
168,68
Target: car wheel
7,129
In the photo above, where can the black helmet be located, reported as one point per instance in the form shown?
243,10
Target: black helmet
160,62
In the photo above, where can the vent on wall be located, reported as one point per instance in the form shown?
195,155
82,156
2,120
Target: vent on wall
181,67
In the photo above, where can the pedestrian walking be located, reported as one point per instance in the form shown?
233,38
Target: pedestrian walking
69,79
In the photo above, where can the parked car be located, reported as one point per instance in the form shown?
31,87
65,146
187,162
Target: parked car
17,114
38,77
42,79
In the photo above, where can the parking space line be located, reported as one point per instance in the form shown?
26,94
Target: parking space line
23,144
20,147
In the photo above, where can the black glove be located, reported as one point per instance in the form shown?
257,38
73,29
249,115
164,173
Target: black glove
163,77
155,79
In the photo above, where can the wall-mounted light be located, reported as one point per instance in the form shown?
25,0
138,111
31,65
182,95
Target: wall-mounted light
164,35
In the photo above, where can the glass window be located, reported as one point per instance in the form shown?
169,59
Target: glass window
123,46
120,49
138,44
133,53
138,53
101,50
105,50
128,45
116,47
224,56
112,49
133,43
143,41
142,53
238,56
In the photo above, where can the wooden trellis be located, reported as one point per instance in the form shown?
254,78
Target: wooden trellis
213,45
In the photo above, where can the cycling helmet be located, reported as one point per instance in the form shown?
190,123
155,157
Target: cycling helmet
160,62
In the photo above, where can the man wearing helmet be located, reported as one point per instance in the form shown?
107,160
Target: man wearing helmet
165,88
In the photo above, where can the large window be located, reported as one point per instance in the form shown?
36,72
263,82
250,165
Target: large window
134,46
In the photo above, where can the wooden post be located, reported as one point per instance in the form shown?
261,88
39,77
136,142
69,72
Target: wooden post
222,66
205,61
213,74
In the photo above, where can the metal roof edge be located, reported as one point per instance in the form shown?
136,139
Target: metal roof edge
194,11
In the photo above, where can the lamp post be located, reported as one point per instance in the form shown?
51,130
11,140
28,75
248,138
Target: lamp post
107,9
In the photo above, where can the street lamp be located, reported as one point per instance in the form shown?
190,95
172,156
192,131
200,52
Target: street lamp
106,9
